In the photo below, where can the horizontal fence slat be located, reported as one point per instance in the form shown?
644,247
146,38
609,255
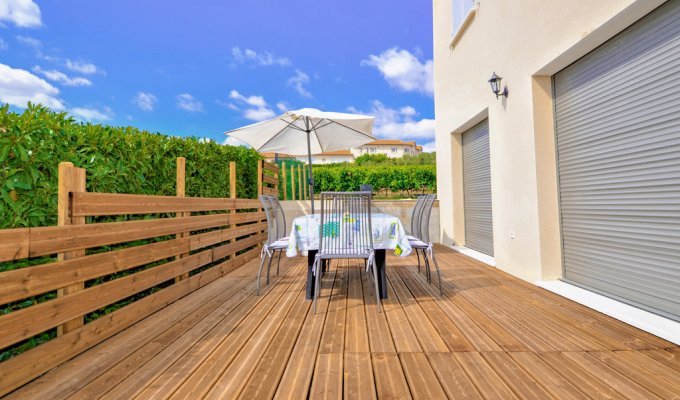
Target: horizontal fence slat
31,281
270,179
271,167
32,320
270,191
98,204
27,366
54,239
14,244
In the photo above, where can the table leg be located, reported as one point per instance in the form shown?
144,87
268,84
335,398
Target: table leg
381,265
311,255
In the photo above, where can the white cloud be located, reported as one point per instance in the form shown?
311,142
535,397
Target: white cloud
145,101
3,45
255,101
82,67
29,41
18,87
403,70
258,114
92,114
61,77
22,13
187,102
298,82
398,124
264,59
282,106
429,147
256,107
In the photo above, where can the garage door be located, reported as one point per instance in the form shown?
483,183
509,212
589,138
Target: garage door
477,189
617,116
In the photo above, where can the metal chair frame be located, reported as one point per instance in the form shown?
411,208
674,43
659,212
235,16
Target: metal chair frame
345,232
423,243
273,243
415,222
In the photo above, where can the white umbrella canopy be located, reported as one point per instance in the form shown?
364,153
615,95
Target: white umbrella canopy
307,131
287,133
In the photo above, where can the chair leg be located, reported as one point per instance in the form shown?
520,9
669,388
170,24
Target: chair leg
278,263
439,273
377,288
317,285
427,268
269,267
418,254
259,272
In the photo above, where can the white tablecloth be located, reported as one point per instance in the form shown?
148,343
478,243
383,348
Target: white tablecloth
388,233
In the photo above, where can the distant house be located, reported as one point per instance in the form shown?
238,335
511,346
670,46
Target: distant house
391,148
330,157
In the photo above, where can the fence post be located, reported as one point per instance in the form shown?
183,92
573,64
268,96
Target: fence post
259,177
181,192
232,195
232,179
300,191
276,176
71,179
292,182
285,186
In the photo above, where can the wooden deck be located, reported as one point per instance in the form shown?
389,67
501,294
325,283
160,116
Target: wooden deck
490,336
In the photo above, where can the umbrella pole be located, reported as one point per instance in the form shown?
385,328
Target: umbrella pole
311,178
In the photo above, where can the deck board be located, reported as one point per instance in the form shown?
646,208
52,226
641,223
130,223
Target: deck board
489,335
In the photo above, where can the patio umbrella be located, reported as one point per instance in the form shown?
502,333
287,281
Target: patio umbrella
307,131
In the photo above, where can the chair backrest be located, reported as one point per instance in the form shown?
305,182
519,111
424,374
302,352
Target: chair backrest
280,217
426,212
415,215
271,218
345,230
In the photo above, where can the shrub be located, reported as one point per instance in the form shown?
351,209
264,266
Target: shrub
395,178
117,160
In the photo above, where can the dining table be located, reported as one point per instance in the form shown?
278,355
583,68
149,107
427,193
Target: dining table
387,234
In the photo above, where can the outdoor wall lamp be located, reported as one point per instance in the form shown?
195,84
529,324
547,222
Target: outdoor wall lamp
495,83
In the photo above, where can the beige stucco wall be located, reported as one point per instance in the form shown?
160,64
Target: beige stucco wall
525,42
399,208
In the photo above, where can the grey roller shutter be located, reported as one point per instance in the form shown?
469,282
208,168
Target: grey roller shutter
617,114
477,189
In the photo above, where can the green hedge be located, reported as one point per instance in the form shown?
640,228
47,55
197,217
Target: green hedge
117,160
395,178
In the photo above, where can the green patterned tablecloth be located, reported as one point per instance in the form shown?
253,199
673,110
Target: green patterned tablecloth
388,233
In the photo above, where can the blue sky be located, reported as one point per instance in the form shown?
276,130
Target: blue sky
204,67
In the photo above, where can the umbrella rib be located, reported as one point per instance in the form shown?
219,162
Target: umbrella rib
279,132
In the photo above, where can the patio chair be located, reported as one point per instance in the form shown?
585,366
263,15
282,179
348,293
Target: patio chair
281,226
273,244
345,233
423,243
415,222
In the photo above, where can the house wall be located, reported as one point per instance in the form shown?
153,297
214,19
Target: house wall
386,149
525,42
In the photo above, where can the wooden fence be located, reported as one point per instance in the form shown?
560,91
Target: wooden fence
298,182
97,265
